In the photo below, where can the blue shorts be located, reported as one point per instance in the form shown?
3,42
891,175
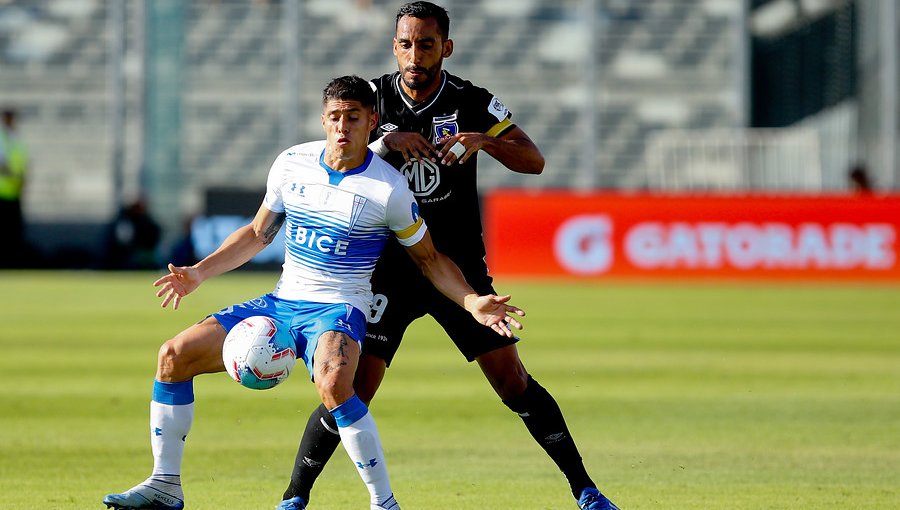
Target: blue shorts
305,320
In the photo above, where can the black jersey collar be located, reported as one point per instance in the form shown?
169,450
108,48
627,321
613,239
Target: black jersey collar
418,108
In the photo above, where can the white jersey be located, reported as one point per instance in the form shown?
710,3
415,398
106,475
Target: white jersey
337,223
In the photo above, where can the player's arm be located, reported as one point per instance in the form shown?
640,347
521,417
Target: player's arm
410,145
444,274
514,149
237,249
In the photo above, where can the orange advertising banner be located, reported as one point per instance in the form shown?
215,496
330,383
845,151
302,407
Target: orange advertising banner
599,235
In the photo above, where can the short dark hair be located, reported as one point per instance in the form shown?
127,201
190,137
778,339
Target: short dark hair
425,10
349,88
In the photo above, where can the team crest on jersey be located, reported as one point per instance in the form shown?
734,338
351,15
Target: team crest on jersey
444,127
359,203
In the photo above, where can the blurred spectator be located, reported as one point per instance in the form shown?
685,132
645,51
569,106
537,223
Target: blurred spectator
133,238
859,179
13,169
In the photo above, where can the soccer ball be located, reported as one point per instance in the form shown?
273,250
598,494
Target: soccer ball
257,354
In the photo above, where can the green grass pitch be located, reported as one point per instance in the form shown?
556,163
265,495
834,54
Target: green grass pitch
680,396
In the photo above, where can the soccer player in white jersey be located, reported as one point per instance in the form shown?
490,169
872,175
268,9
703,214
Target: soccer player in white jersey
340,203
432,127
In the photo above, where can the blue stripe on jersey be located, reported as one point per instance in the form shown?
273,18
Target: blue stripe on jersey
322,242
176,394
349,412
312,257
335,177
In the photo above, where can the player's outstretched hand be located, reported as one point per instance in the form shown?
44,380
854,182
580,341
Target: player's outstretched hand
492,311
180,282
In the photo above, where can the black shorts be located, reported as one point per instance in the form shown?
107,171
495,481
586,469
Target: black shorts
400,300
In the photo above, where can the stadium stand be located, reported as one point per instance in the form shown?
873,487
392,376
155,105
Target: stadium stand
642,68
658,64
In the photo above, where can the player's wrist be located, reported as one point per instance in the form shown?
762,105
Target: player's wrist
379,147
201,272
470,302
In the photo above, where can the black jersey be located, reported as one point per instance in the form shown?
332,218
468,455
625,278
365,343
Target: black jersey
447,196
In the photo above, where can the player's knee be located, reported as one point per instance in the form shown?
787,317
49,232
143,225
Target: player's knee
509,379
170,364
524,400
325,385
333,390
512,384
505,371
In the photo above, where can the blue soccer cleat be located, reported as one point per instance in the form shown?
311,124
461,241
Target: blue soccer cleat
295,503
156,493
592,499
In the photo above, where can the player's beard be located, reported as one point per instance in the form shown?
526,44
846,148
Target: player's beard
430,73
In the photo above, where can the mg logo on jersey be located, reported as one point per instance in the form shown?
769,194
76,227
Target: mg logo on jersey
444,127
423,176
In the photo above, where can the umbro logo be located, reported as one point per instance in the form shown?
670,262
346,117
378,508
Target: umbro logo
389,127
554,438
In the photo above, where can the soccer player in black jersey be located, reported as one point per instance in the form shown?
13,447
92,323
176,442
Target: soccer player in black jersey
431,126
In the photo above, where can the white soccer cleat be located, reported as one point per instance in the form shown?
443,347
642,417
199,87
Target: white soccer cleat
159,492
389,504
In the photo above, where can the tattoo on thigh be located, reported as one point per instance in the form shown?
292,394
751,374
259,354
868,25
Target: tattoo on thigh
342,351
337,357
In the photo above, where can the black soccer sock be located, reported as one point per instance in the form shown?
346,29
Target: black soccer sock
316,447
545,422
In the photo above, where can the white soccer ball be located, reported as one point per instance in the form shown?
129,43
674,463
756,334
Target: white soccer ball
257,355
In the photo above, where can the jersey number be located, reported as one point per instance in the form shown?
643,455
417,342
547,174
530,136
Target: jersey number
379,303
